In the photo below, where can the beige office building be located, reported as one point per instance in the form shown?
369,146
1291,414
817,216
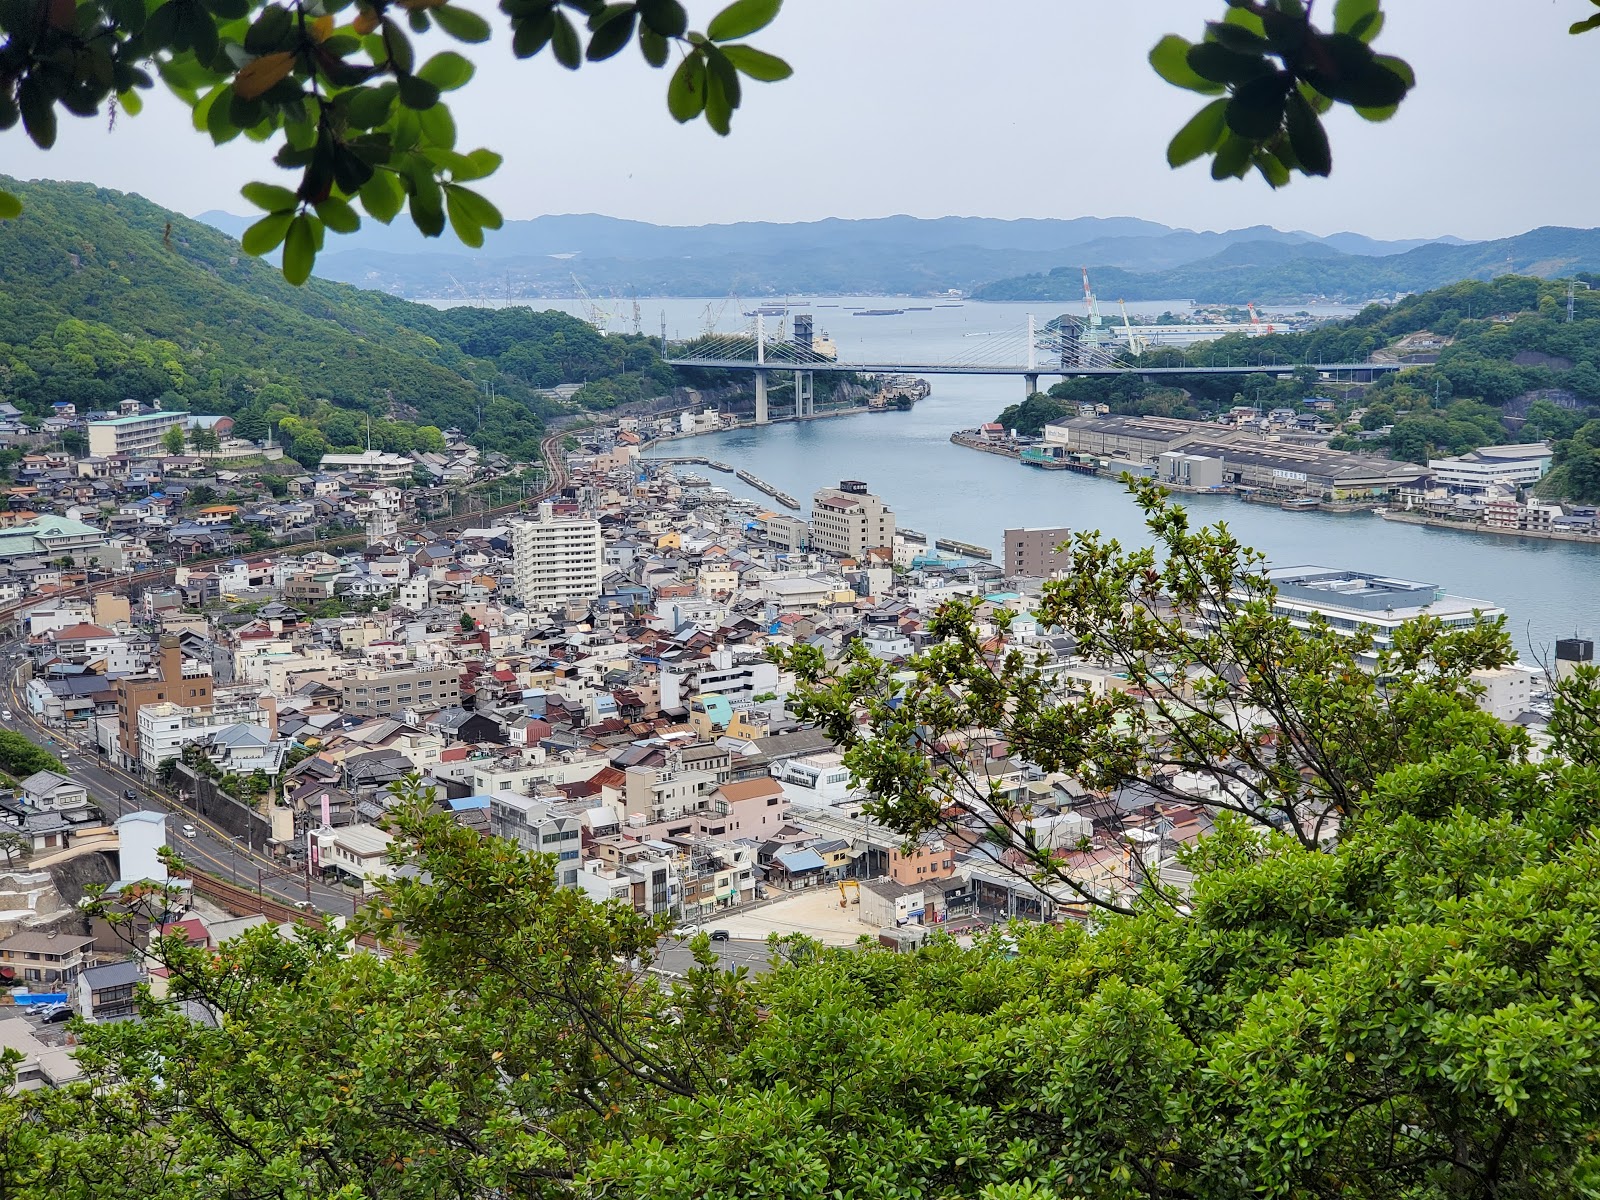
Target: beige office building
848,520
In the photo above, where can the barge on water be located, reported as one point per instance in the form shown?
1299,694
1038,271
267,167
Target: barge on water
966,548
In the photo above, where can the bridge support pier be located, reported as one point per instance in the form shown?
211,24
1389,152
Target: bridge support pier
761,399
1030,384
805,394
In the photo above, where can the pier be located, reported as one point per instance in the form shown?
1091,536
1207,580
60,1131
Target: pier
761,485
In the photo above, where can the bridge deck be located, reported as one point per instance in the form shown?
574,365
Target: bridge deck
1043,369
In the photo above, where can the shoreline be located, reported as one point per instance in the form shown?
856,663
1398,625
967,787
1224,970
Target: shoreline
1408,518
966,441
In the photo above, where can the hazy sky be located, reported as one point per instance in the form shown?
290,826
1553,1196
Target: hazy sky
1009,108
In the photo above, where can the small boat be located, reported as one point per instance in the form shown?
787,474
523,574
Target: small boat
879,312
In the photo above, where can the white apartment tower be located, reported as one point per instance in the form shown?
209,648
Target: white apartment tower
556,559
848,520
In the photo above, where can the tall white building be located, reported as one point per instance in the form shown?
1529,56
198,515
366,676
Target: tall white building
556,559
848,520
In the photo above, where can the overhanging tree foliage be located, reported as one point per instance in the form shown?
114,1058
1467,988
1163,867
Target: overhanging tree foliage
337,85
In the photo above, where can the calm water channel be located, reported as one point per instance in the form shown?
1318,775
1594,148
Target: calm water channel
1549,589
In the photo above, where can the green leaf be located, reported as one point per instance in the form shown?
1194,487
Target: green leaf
612,35
417,93
299,250
532,35
666,18
1585,25
1246,18
686,91
370,106
383,195
719,106
1169,58
130,102
270,31
1237,38
38,112
758,64
266,234
654,47
446,71
338,216
1272,170
1307,136
461,23
1200,136
564,42
1348,13
219,119
269,197
1221,65
10,207
1232,158
741,19
479,165
727,78
1256,109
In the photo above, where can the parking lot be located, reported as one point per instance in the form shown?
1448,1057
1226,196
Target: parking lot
814,912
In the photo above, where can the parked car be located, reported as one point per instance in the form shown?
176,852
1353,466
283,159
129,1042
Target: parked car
60,1016
189,831
719,935
5,713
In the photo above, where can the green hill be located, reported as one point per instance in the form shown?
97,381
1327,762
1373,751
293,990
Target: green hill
1270,272
109,296
1514,369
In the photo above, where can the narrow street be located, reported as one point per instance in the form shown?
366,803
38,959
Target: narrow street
211,849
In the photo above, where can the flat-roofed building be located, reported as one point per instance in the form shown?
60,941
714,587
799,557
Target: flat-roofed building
556,560
389,692
848,520
1355,601
1035,553
138,435
1478,470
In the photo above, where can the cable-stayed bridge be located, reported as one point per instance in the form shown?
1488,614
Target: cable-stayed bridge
1064,346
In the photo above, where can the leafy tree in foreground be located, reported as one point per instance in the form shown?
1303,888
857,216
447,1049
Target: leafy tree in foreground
1202,677
337,85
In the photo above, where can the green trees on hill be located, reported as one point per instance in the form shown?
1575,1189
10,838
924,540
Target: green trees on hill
20,758
1508,349
129,300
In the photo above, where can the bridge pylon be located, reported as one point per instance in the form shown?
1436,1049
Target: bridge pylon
761,399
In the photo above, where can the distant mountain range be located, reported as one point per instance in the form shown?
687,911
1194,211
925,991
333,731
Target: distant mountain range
550,256
1276,272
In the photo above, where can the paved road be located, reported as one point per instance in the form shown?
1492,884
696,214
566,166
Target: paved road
211,849
675,958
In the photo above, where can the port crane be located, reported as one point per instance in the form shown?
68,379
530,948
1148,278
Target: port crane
1260,326
593,311
1137,342
712,315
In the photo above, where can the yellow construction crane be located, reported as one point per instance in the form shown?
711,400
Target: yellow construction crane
844,896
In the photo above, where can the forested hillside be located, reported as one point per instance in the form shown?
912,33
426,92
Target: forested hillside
1513,369
108,296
